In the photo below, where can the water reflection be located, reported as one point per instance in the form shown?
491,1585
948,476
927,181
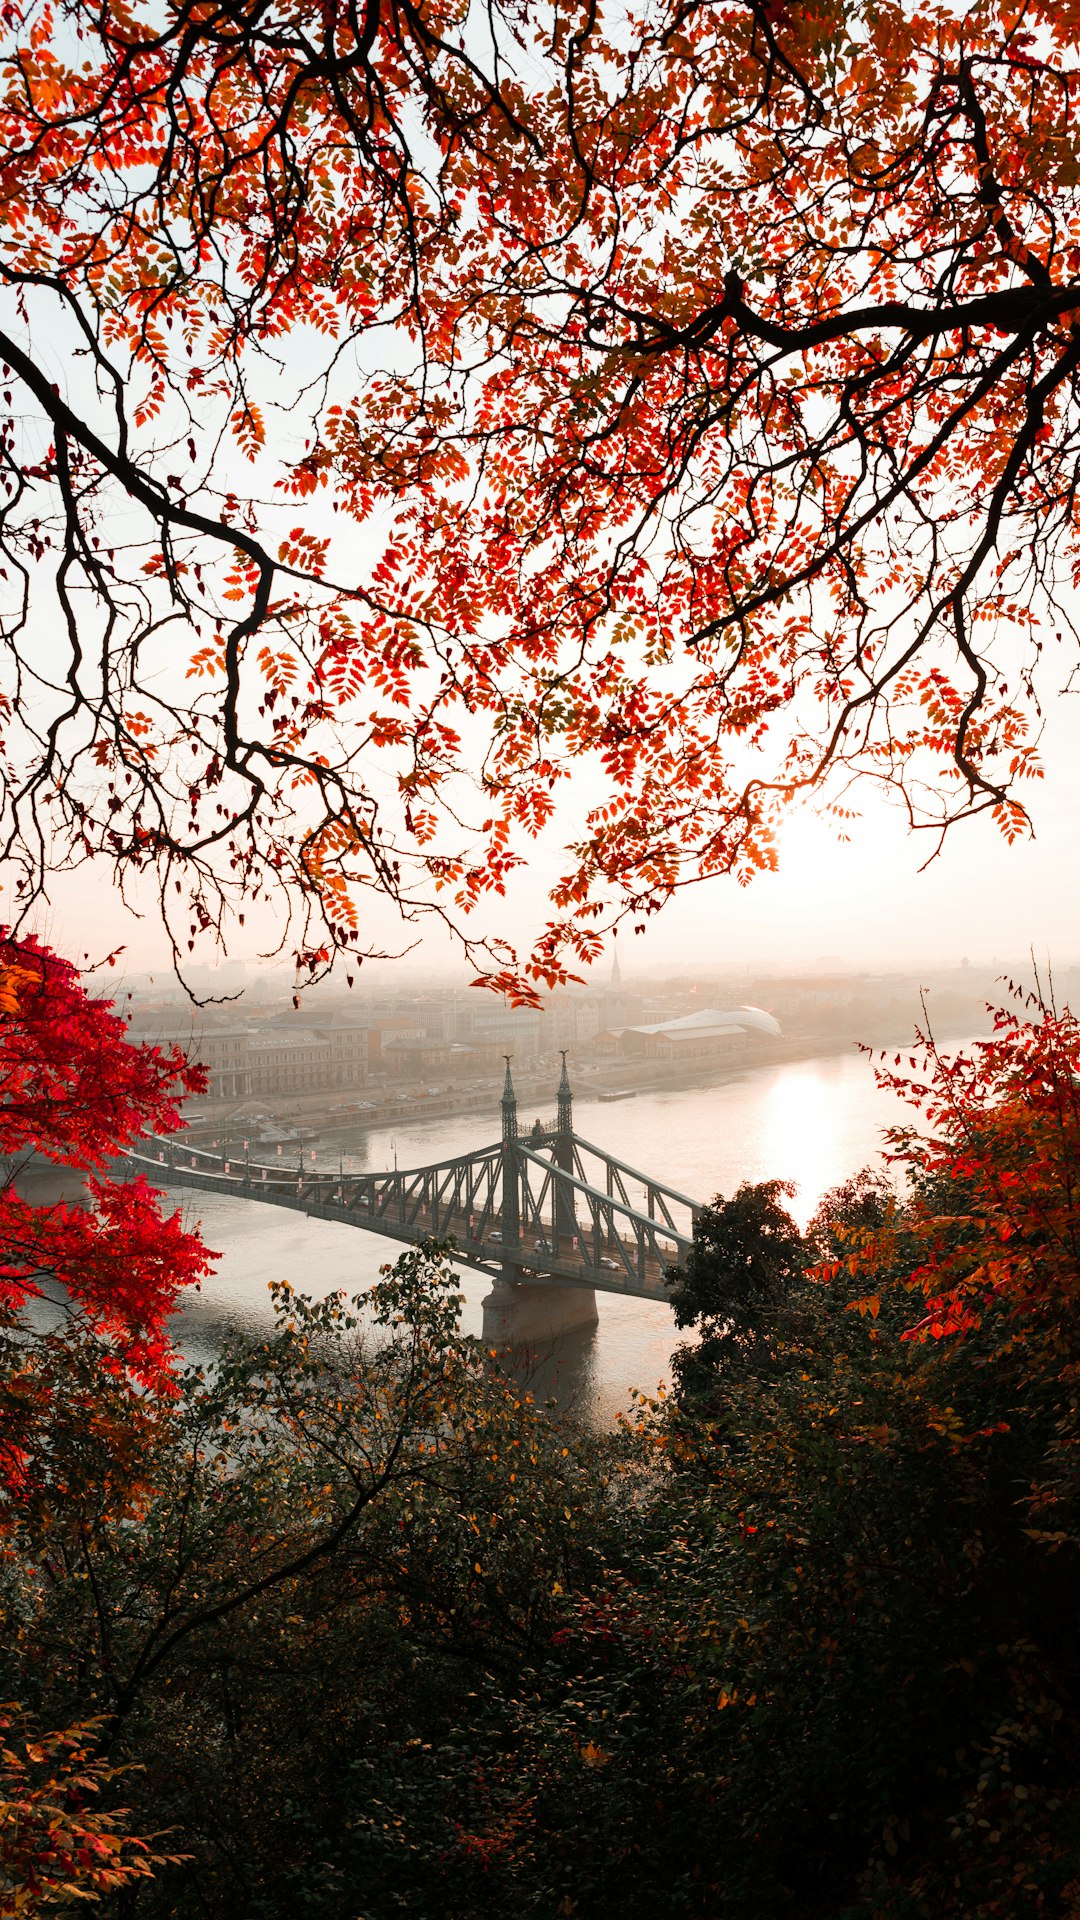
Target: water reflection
562,1373
800,1123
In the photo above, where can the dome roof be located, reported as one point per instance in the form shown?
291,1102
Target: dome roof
717,1020
756,1018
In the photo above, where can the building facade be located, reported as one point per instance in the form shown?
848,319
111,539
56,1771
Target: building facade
271,1060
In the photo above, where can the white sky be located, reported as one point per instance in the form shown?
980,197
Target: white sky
866,902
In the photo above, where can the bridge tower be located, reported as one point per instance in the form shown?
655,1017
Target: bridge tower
511,1177
566,1101
531,1312
564,1223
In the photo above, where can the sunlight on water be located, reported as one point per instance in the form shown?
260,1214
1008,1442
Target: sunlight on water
799,1128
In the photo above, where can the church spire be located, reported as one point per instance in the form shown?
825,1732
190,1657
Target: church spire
616,973
509,1104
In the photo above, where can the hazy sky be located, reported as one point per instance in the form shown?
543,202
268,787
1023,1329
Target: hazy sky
865,902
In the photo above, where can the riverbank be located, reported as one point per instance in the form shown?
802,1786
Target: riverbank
379,1109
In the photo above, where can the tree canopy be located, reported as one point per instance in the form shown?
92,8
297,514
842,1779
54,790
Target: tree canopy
410,404
78,1093
746,1259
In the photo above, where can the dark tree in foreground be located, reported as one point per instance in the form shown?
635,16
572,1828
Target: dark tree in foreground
746,1261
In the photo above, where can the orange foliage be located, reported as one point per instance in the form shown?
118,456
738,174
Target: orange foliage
993,1221
724,434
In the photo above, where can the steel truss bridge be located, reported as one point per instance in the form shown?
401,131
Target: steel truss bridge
546,1208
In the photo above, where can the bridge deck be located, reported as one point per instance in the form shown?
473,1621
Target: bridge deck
620,1250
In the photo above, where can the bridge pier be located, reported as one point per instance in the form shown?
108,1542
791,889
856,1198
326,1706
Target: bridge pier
520,1314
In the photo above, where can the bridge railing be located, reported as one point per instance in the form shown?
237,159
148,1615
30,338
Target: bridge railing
569,1226
643,1237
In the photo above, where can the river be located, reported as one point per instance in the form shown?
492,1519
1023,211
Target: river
810,1121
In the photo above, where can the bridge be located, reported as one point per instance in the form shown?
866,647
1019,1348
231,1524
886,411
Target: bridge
550,1218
